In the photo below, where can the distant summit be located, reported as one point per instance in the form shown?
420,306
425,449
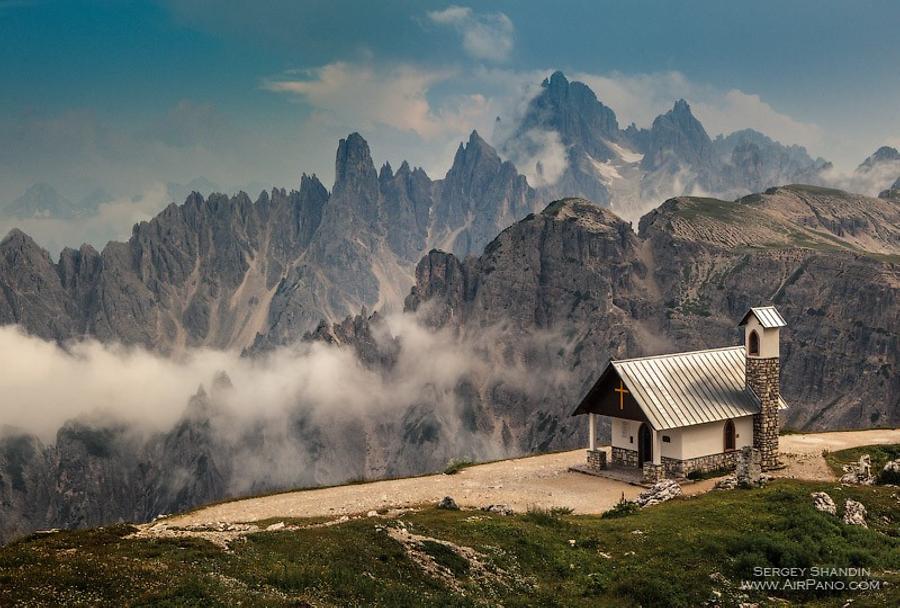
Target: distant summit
570,144
40,201
881,156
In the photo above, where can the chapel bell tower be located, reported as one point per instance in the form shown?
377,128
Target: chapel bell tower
763,376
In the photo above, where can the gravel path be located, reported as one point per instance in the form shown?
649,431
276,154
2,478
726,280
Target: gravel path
543,481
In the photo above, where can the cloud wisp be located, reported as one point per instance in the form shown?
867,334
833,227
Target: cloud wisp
362,96
485,36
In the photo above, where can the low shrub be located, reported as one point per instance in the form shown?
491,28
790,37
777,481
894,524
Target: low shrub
455,466
544,516
623,508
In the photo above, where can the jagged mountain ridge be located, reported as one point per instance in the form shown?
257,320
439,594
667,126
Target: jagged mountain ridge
229,272
829,260
627,169
556,294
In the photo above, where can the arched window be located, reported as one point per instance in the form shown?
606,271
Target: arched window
753,347
729,435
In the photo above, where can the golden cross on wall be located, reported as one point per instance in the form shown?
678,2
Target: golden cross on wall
622,392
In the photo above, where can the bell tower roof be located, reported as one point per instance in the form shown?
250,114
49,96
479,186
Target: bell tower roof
767,316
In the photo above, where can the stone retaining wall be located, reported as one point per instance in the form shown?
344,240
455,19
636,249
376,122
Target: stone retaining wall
596,459
653,473
624,457
703,464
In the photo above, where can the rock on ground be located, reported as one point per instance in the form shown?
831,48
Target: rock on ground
855,513
726,483
447,502
859,473
823,502
662,491
891,472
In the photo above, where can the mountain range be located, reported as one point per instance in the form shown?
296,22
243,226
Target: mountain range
542,295
554,296
632,169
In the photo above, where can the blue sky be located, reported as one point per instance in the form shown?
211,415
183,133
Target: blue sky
128,94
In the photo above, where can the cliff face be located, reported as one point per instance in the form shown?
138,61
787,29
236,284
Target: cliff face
827,259
232,273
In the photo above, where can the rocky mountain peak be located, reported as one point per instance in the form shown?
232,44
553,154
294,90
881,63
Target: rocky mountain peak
310,184
580,208
386,173
884,154
572,110
678,138
681,107
557,81
475,158
19,241
353,162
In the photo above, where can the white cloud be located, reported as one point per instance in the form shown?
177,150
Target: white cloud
360,96
45,384
487,36
539,155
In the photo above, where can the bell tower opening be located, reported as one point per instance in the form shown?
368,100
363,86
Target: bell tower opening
753,344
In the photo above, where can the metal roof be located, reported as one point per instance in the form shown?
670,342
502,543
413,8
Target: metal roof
768,317
684,389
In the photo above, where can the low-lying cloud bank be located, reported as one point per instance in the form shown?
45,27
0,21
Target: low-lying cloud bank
45,384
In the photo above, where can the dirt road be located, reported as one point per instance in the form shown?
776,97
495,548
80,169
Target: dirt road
543,481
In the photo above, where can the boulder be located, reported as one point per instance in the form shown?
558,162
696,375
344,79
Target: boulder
499,509
823,502
276,526
448,503
859,473
662,491
890,473
726,483
855,513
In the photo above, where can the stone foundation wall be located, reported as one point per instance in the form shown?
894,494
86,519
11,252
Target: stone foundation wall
703,464
653,473
624,457
763,376
596,459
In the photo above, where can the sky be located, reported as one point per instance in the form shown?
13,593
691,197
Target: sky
128,95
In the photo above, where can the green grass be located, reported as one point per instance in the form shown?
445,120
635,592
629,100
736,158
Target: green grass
694,207
880,454
686,549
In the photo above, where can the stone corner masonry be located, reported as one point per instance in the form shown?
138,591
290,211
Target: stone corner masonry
763,379
596,459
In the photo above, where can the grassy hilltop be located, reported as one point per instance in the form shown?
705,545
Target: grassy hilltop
685,552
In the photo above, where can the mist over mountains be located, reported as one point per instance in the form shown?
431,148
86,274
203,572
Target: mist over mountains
495,308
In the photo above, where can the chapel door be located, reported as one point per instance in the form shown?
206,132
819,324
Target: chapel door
729,435
645,445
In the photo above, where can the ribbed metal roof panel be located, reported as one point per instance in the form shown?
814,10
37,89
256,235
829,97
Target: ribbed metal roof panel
768,317
684,389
